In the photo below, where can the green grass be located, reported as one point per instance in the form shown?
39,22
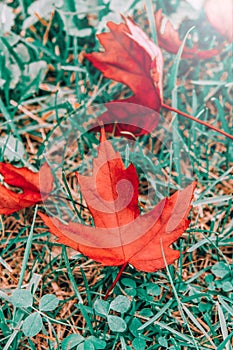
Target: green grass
44,84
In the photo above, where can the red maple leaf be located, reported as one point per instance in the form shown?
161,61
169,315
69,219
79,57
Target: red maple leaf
168,39
121,235
35,187
130,58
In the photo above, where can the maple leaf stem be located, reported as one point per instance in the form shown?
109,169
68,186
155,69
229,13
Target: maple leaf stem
115,281
197,120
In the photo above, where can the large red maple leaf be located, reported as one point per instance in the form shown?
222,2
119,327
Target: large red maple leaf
35,187
121,235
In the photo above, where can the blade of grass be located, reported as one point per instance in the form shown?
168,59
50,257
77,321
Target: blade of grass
13,335
3,324
86,286
4,296
198,274
175,126
27,250
8,118
123,343
71,277
4,263
158,315
222,346
218,199
173,331
225,305
179,304
70,195
11,50
34,282
76,291
198,325
55,320
223,325
151,18
23,7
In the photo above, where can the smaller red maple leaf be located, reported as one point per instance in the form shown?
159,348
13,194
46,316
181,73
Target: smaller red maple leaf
169,40
35,187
